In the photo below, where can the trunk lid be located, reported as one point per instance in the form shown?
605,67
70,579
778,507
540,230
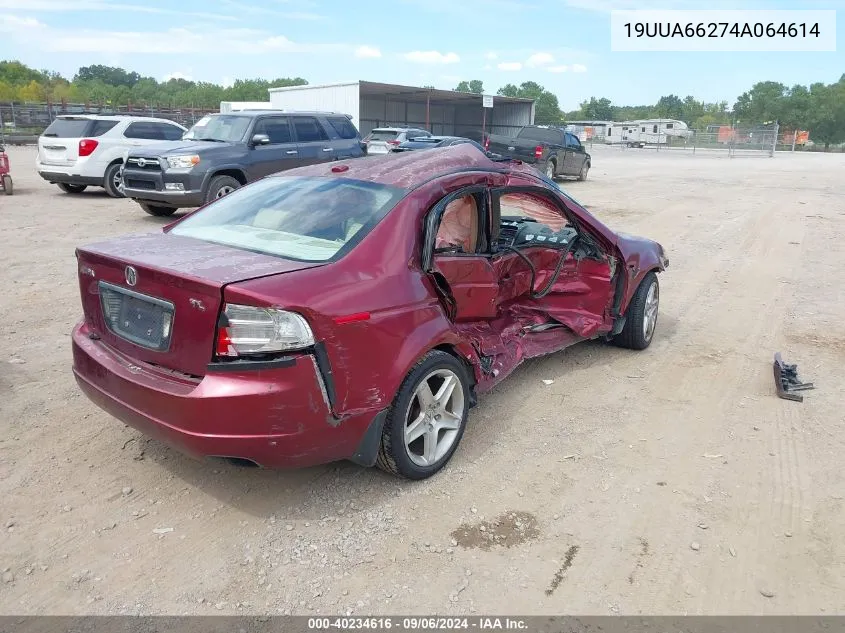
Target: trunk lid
59,144
164,310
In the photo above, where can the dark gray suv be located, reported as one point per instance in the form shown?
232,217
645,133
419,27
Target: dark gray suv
222,152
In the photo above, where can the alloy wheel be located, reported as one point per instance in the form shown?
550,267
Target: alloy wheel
434,417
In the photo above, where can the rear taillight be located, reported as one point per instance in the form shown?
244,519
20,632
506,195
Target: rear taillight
247,330
538,152
487,144
393,142
87,146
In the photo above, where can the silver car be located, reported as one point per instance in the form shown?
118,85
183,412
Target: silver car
382,139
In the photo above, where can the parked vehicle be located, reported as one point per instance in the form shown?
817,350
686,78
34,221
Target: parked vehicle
554,151
81,150
223,152
382,139
5,176
430,142
352,310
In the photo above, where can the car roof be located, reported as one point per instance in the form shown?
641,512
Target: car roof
261,111
115,117
406,170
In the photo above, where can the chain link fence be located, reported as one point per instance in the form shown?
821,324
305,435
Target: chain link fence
727,140
22,123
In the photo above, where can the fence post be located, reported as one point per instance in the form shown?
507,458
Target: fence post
794,138
775,140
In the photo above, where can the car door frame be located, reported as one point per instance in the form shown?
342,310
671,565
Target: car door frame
472,300
576,155
271,163
325,151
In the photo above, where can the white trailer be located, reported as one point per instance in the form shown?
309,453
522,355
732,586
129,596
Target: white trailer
643,132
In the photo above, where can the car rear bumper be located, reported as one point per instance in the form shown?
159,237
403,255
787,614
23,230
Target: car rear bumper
276,417
66,175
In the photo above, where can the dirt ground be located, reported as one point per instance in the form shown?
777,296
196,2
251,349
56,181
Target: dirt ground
670,481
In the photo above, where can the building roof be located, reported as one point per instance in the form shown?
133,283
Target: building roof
409,93
408,169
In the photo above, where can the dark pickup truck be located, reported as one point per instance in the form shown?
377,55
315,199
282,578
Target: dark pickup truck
222,152
554,151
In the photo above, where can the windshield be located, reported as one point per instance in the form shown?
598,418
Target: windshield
228,128
307,219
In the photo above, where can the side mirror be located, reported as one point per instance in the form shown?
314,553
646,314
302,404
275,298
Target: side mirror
260,139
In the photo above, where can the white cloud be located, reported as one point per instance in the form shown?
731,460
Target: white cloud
540,59
487,67
510,66
558,69
227,82
606,6
367,52
579,68
491,55
176,75
30,33
431,57
96,6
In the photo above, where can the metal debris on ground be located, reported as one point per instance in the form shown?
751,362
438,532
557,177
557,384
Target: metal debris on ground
787,381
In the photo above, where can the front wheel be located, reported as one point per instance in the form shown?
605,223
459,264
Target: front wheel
427,419
69,188
641,317
158,210
220,186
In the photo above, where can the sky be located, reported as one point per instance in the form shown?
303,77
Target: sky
563,45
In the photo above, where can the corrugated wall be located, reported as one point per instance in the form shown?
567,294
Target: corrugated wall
502,118
381,112
341,98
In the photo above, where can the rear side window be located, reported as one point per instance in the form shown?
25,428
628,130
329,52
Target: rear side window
101,127
309,129
343,127
144,130
171,132
68,128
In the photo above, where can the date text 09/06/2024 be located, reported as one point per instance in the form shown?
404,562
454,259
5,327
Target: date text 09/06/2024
416,623
721,29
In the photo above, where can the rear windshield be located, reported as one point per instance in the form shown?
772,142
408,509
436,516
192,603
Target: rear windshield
383,135
546,135
306,219
68,128
227,128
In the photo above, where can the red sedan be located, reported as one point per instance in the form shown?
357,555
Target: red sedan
352,310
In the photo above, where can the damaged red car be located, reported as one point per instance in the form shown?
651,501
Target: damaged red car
352,310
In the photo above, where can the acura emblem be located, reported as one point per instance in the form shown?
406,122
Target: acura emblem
131,276
142,162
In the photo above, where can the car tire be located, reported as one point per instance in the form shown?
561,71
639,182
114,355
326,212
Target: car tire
8,187
428,452
158,210
111,181
641,317
585,169
220,186
69,188
549,169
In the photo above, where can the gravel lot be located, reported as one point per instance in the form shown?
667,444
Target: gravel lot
671,481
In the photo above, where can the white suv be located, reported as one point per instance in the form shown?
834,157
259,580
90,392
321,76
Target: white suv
77,151
382,139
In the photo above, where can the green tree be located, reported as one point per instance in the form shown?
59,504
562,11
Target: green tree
596,110
109,75
546,106
475,86
827,118
764,102
670,107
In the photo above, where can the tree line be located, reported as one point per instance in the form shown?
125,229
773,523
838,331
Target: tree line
116,86
818,108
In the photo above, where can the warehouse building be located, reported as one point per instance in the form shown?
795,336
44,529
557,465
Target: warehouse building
443,112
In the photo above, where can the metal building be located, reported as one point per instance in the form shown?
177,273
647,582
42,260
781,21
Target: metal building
372,105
